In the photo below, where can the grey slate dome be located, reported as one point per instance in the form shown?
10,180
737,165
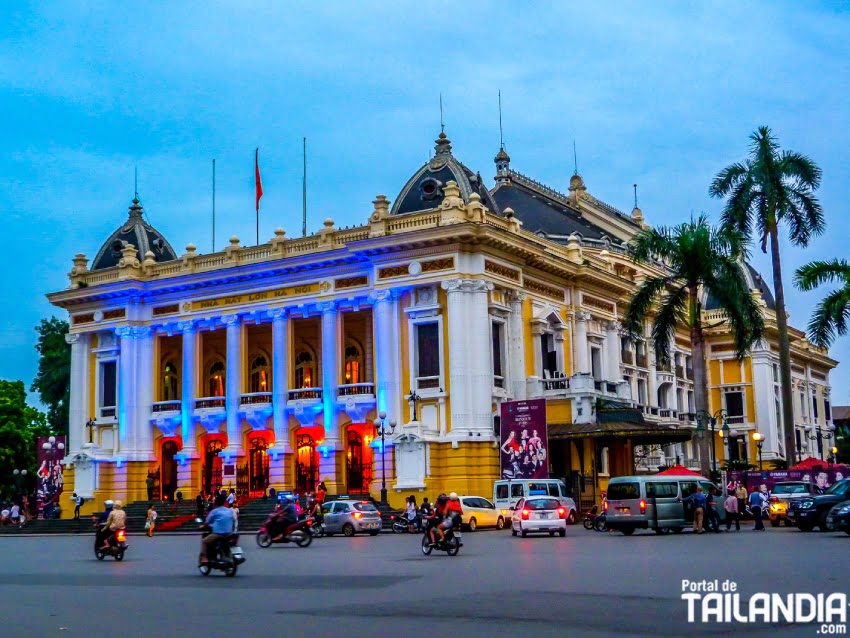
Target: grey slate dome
137,232
424,190
755,282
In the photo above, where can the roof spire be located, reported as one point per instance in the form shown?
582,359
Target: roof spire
501,137
502,159
635,187
637,213
442,124
575,159
135,183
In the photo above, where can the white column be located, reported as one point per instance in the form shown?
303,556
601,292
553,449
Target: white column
233,386
126,391
581,354
78,414
612,345
144,391
470,372
516,348
280,376
187,389
330,369
386,330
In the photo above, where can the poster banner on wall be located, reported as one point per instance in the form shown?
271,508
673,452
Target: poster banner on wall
49,475
524,446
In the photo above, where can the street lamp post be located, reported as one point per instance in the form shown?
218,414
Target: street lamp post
813,433
19,476
382,428
758,437
90,425
703,416
833,455
414,399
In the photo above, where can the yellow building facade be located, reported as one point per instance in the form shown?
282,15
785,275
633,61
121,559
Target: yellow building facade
269,366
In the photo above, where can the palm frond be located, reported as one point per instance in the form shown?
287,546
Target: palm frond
830,318
671,313
801,169
817,273
641,304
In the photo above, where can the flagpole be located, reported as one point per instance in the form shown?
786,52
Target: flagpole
304,192
257,167
213,205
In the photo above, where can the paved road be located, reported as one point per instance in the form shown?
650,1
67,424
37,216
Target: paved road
587,584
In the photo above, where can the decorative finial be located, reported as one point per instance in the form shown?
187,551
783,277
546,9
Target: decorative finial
501,137
575,159
442,124
635,187
442,145
136,183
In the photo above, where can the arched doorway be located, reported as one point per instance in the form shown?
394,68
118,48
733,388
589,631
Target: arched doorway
358,462
212,466
306,464
168,470
258,465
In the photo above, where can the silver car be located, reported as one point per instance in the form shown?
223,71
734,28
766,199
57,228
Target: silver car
351,517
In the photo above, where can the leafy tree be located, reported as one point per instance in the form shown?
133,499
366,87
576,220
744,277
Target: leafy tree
831,315
20,427
771,187
692,259
53,380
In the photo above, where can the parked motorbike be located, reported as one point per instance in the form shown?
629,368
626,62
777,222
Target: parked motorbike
402,525
299,533
224,555
117,546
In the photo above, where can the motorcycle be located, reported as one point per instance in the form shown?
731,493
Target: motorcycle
224,555
402,525
299,533
117,546
590,517
450,543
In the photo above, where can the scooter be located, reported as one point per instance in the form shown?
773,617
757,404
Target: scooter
402,525
117,546
299,533
224,555
450,544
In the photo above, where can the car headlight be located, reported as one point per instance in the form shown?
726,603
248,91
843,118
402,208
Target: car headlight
843,509
806,504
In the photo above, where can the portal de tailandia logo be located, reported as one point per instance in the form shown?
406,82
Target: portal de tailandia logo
716,601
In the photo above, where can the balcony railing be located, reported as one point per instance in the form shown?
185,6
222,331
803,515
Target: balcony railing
640,359
357,389
627,357
687,417
205,403
557,381
166,406
255,398
304,394
734,420
664,367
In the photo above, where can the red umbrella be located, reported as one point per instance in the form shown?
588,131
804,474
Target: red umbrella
810,463
678,470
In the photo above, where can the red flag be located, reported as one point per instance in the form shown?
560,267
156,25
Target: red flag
257,180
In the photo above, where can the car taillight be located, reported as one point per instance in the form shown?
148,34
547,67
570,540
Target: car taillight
120,536
562,513
357,515
605,506
642,506
525,515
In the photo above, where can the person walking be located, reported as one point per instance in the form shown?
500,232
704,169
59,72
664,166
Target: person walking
732,514
741,495
698,501
756,504
150,521
231,498
200,502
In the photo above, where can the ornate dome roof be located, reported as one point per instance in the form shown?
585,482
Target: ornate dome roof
424,190
137,232
755,282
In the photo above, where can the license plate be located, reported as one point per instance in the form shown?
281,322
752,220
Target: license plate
544,515
624,510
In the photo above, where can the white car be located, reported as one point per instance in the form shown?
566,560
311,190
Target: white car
539,514
479,512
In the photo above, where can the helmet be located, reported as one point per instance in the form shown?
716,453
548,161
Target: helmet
453,496
290,498
109,503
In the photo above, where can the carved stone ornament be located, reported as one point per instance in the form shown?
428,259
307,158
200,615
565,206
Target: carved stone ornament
467,285
380,296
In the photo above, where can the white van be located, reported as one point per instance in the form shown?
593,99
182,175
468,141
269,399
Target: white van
506,494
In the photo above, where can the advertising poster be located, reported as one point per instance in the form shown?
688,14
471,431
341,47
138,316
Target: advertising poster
49,475
822,477
524,446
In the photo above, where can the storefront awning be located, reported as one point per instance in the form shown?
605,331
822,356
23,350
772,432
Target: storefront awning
639,433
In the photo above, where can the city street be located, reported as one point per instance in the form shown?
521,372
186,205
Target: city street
587,584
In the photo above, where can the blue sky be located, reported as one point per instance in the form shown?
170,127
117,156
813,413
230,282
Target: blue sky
661,94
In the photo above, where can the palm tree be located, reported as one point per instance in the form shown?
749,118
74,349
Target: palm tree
695,259
831,315
770,187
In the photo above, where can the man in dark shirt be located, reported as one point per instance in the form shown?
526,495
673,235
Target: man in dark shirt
698,501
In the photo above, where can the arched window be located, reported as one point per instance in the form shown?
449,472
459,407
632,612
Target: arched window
353,364
304,370
216,379
260,377
170,382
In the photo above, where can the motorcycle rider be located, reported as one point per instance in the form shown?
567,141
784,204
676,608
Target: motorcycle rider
435,520
220,521
116,520
101,534
453,517
286,517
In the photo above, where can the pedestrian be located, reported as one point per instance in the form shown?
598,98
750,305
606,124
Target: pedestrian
321,492
411,513
698,501
756,503
235,509
231,498
149,483
741,495
425,508
732,514
15,514
78,501
150,521
199,505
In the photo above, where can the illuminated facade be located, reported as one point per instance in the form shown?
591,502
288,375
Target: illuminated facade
265,366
